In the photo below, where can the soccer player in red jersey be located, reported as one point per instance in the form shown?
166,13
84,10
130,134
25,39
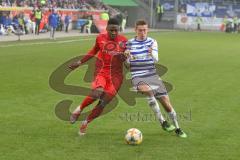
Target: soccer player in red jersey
109,48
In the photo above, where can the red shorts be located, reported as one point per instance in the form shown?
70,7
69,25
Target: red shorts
110,85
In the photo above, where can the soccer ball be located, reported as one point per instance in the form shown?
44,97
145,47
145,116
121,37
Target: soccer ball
133,136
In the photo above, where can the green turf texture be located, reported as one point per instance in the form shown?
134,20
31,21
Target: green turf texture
203,68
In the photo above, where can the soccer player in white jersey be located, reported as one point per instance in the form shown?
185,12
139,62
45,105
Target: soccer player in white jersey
142,53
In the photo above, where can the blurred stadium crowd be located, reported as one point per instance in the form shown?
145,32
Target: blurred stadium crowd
38,20
191,14
65,4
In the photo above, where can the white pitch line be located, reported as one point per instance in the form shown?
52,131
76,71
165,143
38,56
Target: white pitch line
59,42
40,43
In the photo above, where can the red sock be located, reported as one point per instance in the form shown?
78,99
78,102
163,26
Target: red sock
87,101
95,113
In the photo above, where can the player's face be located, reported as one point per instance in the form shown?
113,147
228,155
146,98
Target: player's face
112,30
141,31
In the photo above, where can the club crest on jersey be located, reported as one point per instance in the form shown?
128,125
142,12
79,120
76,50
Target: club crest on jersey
122,45
112,48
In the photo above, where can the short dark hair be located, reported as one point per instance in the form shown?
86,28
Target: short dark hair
140,22
113,21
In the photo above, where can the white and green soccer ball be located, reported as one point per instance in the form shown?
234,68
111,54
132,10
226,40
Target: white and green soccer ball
133,136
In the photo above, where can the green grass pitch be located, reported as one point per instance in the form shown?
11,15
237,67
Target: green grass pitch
204,69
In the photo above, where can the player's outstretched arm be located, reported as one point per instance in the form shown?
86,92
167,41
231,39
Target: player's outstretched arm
92,52
87,57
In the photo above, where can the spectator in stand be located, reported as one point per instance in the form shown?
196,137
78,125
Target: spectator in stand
3,20
67,4
126,16
224,23
38,18
124,22
60,22
8,21
235,22
8,25
160,11
89,25
67,20
28,24
199,21
15,24
53,23
119,18
33,21
22,24
43,3
2,30
15,21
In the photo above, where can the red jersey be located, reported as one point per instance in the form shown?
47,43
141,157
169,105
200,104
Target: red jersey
109,55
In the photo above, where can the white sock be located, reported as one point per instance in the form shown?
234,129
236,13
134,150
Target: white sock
173,116
77,110
152,102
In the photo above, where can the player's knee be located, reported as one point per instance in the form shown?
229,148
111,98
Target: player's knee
102,103
96,94
145,89
107,98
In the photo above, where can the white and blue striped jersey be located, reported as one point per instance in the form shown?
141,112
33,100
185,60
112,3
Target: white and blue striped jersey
141,61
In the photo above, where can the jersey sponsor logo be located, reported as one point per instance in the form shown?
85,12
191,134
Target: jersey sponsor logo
113,48
110,46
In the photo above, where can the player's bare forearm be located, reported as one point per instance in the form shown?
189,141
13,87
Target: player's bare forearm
90,54
87,57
